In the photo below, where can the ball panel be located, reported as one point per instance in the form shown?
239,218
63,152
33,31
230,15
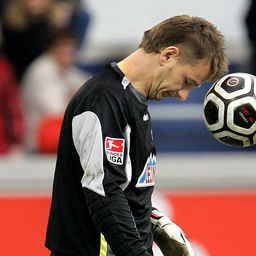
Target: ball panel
211,111
233,83
232,139
238,84
213,126
242,115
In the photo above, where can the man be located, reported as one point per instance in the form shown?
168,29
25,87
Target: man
47,86
106,164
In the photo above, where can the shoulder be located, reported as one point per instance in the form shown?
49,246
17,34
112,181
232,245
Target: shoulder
106,82
102,92
42,67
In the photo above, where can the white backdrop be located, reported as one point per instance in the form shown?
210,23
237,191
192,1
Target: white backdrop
118,25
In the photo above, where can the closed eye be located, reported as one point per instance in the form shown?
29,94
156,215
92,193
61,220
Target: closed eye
191,82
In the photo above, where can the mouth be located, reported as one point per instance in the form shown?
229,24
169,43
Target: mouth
172,94
166,94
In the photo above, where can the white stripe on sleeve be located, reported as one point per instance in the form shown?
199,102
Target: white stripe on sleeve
87,138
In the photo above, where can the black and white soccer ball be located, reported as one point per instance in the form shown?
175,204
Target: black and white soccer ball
230,110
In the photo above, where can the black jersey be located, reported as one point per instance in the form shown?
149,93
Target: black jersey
105,172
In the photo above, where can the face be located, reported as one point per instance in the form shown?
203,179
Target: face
176,79
62,14
65,53
37,7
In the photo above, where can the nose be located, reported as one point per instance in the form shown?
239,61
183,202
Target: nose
183,94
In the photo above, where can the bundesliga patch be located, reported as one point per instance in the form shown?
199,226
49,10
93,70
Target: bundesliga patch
148,176
114,149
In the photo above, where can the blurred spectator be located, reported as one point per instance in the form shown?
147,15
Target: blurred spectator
25,31
71,14
11,115
48,84
250,22
28,25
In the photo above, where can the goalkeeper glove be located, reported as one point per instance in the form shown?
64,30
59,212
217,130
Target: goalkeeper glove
169,237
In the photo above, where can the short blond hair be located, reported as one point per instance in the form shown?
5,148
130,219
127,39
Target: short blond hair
195,35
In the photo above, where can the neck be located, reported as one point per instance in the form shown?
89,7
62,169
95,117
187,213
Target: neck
138,68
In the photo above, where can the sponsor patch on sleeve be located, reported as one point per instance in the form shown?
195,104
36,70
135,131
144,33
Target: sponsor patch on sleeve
148,175
114,148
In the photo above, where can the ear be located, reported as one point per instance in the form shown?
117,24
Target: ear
169,53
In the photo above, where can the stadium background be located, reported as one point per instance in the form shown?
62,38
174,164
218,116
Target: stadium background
206,187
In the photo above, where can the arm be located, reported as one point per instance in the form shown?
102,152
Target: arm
113,217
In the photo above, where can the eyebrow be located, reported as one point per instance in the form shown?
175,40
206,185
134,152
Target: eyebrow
192,81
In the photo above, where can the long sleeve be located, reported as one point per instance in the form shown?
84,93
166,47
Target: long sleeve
99,135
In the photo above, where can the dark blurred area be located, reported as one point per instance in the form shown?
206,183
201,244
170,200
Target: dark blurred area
250,26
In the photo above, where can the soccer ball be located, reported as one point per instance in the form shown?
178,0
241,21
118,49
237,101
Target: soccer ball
230,110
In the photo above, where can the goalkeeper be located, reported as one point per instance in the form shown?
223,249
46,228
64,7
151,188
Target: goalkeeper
106,163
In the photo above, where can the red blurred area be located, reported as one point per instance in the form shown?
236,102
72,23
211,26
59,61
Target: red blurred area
223,223
23,223
48,134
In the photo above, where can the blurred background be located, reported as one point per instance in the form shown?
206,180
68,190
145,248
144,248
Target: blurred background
49,48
